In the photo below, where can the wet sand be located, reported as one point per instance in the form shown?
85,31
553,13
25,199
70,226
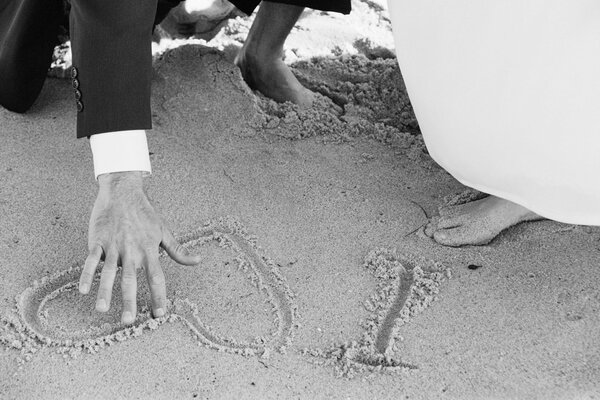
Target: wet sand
317,281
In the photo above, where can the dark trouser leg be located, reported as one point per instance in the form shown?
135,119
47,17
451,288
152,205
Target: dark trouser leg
261,58
28,34
271,27
112,60
341,6
163,8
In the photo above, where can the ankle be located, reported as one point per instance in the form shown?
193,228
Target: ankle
257,55
519,213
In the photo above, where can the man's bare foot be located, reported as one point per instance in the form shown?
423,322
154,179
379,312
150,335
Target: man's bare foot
261,57
273,78
477,222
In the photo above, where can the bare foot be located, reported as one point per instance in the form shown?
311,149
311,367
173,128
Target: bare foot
261,57
477,222
273,78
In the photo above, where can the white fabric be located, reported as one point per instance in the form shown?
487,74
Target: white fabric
507,94
120,151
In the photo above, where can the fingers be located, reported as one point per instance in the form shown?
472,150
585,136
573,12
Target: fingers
158,289
129,291
176,251
89,269
109,271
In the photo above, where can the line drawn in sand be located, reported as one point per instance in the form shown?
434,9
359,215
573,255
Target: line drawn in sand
33,328
406,286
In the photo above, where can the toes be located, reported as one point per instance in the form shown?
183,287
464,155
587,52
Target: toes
447,221
447,237
431,226
326,103
458,209
463,236
447,210
436,224
477,222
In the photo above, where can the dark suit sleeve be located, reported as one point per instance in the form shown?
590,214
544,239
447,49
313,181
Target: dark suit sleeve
28,34
112,64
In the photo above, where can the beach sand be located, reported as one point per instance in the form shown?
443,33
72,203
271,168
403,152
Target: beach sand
316,279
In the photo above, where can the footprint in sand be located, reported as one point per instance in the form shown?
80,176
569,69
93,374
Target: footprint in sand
406,286
41,325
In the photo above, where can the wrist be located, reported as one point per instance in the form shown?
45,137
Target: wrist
128,180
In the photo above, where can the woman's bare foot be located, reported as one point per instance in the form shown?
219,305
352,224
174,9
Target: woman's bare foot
261,57
477,222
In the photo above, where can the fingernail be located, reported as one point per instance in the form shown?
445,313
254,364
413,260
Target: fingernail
84,288
159,312
101,305
127,317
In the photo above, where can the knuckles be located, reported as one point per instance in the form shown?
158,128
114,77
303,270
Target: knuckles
128,280
157,279
179,249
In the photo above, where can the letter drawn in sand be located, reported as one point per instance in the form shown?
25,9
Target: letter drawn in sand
406,286
36,324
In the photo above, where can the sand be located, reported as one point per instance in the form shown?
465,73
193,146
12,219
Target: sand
45,310
316,280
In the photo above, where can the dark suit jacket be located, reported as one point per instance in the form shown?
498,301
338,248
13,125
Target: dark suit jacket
28,34
112,59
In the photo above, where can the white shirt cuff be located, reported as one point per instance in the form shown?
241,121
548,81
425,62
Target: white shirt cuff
120,151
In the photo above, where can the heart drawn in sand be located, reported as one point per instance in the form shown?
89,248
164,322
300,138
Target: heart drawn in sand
227,233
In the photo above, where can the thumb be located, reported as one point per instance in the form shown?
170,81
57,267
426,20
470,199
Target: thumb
176,251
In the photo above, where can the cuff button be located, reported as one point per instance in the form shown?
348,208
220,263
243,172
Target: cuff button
77,95
79,106
74,73
75,83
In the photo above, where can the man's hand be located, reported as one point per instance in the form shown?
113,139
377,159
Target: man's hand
126,230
